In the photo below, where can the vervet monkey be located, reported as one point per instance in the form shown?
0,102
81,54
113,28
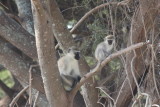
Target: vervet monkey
105,48
69,69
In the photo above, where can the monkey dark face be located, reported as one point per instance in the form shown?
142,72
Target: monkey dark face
75,52
110,42
77,55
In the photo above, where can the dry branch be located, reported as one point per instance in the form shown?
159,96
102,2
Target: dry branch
142,22
65,38
125,2
16,35
30,83
18,66
46,54
101,65
18,95
35,101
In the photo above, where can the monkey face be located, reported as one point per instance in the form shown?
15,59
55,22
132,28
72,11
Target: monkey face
75,52
110,39
77,55
110,42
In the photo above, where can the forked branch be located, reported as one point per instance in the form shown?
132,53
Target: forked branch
101,65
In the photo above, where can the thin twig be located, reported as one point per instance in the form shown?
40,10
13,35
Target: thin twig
132,71
5,7
155,105
101,65
148,101
106,94
111,18
30,83
154,77
56,47
99,101
139,96
16,18
120,91
125,2
18,95
129,82
36,99
107,79
132,62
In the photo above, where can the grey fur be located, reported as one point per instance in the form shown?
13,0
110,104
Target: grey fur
69,70
104,49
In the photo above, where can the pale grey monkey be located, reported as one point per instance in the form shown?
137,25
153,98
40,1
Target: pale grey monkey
69,69
105,48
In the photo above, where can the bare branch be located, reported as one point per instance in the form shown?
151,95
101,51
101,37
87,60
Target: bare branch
35,101
101,88
46,54
142,19
30,83
125,2
65,39
18,66
107,79
18,95
16,18
16,35
101,65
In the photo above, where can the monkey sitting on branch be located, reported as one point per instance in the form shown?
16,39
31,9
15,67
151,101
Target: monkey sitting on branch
105,48
69,69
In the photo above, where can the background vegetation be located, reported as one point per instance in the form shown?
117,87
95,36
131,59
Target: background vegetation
31,31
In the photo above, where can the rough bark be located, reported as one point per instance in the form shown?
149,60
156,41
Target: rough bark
16,35
25,14
141,23
19,67
47,55
90,93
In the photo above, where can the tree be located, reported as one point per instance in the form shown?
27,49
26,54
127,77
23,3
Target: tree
32,30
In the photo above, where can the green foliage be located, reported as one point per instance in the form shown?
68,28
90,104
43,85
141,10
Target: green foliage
90,60
71,23
6,77
1,94
115,64
97,29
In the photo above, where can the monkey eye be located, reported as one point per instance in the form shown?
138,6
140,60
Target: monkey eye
110,42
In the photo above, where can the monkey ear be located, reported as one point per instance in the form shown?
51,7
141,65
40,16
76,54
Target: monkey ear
105,39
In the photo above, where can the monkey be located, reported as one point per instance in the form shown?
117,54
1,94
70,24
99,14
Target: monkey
69,69
105,48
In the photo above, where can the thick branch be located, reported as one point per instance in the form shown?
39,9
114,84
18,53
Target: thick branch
19,67
141,24
63,35
25,14
46,54
101,65
16,35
